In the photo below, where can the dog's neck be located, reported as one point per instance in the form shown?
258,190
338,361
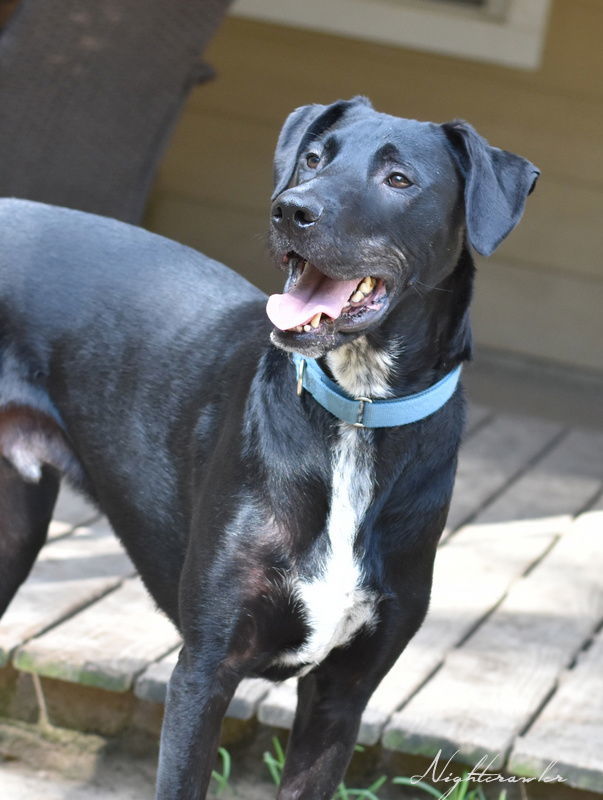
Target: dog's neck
422,339
363,370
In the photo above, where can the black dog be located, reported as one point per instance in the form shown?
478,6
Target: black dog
280,539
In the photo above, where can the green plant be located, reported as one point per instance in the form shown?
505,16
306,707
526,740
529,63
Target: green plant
276,761
343,793
222,776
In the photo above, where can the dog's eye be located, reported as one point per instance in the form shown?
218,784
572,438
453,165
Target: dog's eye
398,181
312,160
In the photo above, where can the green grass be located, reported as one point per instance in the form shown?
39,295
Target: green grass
275,761
221,776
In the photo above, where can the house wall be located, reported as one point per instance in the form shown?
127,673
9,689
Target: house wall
541,294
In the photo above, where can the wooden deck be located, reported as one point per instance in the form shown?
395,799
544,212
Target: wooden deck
509,662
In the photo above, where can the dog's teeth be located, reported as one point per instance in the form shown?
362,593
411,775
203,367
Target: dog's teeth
364,288
307,328
298,328
367,285
315,321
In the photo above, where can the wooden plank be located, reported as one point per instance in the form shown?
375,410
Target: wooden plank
490,687
190,170
278,707
472,573
71,509
249,694
106,645
69,574
565,481
504,382
509,313
229,234
152,685
573,244
492,457
569,729
562,73
484,94
475,568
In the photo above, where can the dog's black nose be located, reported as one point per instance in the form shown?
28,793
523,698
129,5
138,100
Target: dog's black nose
292,211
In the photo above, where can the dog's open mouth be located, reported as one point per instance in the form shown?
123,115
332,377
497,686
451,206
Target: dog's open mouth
313,303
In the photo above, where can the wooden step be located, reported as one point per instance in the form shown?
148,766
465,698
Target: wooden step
569,729
490,460
71,510
490,687
70,573
152,685
106,645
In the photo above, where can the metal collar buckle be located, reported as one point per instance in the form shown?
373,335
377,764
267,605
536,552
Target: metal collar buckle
362,401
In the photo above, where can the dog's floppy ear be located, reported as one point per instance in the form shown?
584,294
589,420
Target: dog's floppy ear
300,127
496,186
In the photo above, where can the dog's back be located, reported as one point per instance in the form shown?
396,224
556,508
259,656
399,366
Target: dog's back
88,296
68,267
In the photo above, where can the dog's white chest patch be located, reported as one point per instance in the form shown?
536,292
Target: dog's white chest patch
333,603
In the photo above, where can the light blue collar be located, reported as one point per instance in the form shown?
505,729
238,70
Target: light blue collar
363,412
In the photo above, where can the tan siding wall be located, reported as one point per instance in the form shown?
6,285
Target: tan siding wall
542,292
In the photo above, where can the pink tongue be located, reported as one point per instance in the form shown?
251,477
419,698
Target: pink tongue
313,293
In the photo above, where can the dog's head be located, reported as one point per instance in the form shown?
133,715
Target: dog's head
366,204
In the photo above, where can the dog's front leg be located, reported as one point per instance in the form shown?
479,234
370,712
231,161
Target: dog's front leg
330,703
220,647
198,695
322,741
333,696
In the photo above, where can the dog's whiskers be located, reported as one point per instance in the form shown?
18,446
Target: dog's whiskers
417,290
433,288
